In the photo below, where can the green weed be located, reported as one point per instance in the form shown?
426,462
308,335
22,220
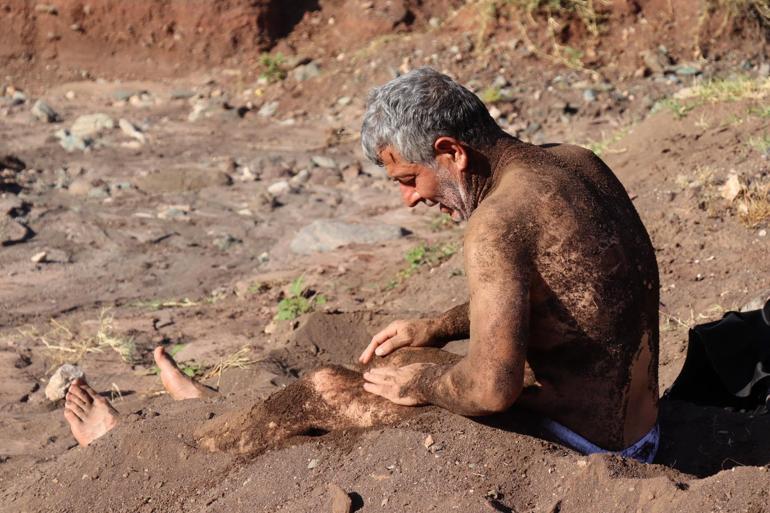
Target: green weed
603,146
441,223
296,304
271,67
491,95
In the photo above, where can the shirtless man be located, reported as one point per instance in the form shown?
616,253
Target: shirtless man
563,281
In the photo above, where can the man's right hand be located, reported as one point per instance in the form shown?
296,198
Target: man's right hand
411,333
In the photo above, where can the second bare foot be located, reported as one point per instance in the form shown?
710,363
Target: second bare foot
178,385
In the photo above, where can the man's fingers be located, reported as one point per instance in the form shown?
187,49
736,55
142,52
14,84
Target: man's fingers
378,377
384,335
368,353
381,390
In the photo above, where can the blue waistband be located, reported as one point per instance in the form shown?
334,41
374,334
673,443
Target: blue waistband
643,450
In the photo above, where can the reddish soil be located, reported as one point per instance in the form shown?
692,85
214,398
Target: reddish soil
175,241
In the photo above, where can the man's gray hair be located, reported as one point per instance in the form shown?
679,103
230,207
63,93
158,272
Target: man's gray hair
410,112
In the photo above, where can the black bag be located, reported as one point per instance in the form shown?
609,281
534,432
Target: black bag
727,362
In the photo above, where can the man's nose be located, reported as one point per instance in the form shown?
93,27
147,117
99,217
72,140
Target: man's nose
410,195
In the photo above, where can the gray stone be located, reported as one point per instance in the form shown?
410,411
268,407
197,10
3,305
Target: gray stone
344,101
71,142
61,380
268,109
321,161
279,188
181,94
44,112
589,95
300,178
306,72
327,234
99,192
11,231
225,241
91,124
687,70
131,130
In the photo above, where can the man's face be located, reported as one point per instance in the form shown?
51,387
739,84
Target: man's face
419,183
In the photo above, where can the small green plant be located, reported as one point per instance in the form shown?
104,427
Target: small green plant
420,256
296,303
678,108
271,67
603,146
491,95
441,223
761,143
760,111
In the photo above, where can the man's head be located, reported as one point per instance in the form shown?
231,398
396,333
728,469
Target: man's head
424,128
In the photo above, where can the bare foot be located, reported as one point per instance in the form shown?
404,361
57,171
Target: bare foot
178,385
89,414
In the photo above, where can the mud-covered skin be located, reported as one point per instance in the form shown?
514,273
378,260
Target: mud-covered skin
591,276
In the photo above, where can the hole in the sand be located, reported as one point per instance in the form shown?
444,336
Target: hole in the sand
315,431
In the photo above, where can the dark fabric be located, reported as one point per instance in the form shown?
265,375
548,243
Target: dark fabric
722,358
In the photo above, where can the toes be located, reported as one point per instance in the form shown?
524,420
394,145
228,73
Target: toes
163,359
78,391
76,410
71,416
72,397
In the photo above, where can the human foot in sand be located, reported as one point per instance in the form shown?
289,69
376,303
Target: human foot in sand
177,384
89,415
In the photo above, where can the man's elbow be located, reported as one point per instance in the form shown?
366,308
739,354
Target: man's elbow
497,399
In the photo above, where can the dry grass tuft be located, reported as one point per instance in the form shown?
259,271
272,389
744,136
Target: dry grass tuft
63,345
237,360
754,205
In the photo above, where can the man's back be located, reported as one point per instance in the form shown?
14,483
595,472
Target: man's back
593,342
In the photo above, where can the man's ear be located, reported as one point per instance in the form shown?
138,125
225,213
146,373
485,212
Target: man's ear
451,152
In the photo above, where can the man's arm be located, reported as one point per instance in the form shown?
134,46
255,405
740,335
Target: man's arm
454,324
490,378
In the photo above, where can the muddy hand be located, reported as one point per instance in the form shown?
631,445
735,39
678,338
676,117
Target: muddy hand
413,333
396,384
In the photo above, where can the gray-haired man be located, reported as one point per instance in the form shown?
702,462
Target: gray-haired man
563,311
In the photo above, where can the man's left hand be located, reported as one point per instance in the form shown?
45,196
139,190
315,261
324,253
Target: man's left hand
396,384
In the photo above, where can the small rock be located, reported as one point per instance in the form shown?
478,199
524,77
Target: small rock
762,233
61,380
268,110
131,130
11,231
306,72
326,235
175,212
80,187
434,22
322,161
339,500
352,171
344,101
71,142
39,258
44,112
225,241
687,70
47,9
731,188
279,188
91,124
589,95
313,463
99,192
300,178
428,441
495,112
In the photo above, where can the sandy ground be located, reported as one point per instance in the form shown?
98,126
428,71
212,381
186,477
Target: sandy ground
181,237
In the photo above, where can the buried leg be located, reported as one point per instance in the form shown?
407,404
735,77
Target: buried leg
328,399
88,414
